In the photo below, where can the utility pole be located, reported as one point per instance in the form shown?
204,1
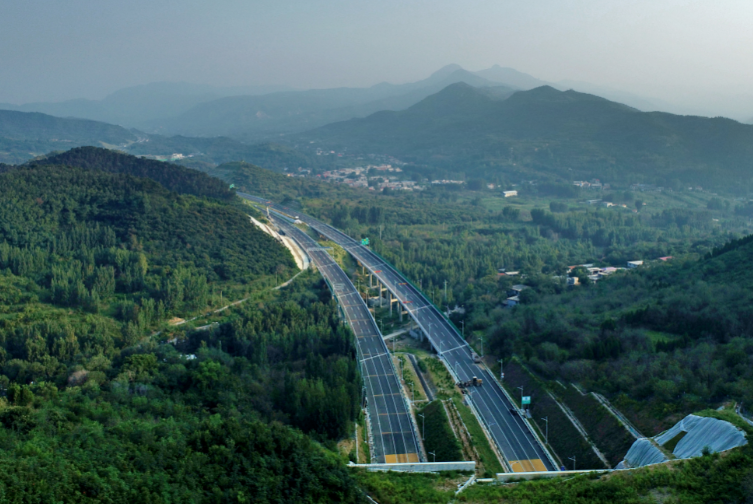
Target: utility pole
546,419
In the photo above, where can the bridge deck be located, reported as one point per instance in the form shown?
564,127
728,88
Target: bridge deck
394,435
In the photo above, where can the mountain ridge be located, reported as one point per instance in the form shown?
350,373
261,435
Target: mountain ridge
553,131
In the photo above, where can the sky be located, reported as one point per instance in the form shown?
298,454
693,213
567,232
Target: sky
695,52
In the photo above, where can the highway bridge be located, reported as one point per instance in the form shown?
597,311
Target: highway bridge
393,433
522,450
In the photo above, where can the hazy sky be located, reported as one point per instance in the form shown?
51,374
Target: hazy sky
672,49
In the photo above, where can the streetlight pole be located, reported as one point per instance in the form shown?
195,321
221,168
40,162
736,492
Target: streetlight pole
521,397
423,427
462,322
573,459
434,455
546,419
501,370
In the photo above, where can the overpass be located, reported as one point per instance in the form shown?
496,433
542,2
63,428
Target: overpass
393,437
514,438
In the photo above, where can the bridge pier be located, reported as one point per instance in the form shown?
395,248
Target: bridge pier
389,300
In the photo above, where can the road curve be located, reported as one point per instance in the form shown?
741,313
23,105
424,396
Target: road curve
512,435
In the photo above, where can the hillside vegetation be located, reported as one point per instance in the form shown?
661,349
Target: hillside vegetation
545,132
103,401
172,177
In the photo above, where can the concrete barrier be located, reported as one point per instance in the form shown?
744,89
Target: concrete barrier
513,476
422,467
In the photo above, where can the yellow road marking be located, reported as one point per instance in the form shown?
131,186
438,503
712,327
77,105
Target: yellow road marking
532,465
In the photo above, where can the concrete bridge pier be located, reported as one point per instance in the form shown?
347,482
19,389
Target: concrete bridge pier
389,300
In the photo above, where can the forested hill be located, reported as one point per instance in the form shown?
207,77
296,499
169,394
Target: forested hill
173,177
103,400
545,131
34,126
663,340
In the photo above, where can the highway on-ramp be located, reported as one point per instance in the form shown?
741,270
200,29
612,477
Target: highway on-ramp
512,435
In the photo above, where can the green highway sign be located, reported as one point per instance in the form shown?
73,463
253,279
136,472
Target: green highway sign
365,241
526,400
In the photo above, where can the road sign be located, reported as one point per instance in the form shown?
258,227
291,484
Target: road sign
526,400
365,241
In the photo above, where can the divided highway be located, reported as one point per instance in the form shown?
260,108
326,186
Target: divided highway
394,439
510,432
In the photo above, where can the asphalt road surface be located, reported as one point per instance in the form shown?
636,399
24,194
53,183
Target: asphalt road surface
393,432
509,430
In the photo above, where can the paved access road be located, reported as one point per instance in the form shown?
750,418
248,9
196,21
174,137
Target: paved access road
513,437
394,438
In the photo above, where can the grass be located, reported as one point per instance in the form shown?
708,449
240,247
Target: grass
672,443
412,383
488,457
438,435
410,488
564,439
441,378
605,431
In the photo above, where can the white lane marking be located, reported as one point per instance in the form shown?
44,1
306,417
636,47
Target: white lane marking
453,349
374,356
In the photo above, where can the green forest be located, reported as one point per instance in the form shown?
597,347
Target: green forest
150,422
661,341
544,132
103,401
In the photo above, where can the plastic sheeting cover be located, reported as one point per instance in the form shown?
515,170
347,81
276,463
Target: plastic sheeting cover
717,435
642,453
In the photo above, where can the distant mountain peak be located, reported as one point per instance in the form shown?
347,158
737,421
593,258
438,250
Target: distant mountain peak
445,71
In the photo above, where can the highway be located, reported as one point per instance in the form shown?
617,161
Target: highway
394,438
510,432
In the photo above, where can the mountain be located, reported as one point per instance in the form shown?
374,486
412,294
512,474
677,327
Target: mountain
24,135
22,126
254,118
630,99
510,77
136,106
175,178
544,130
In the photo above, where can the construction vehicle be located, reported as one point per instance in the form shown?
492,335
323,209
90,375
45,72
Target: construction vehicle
476,357
473,382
